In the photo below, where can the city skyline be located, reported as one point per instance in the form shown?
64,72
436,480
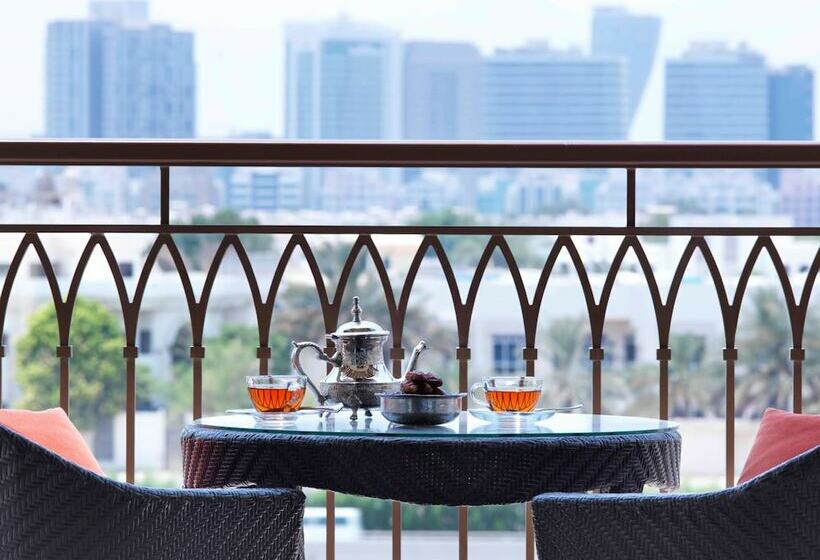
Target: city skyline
227,109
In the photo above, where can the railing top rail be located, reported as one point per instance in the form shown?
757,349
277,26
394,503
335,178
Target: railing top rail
313,153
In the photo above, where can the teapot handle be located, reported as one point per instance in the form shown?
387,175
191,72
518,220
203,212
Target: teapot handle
294,359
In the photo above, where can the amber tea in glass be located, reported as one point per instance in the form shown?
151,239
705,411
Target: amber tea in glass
276,393
508,394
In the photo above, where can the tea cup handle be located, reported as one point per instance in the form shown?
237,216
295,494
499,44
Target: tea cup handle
481,401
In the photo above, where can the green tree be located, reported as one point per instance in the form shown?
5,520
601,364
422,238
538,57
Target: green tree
198,249
229,357
97,382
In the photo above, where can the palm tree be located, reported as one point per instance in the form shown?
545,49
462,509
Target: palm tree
766,377
564,340
763,372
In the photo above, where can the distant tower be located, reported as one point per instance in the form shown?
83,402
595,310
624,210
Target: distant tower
120,11
717,93
617,32
342,81
535,93
791,103
441,85
117,75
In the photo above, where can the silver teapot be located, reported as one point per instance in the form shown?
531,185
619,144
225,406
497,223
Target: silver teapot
359,373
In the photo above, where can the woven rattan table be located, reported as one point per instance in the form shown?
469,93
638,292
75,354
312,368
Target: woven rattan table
465,462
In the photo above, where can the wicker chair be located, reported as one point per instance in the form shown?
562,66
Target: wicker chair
50,508
776,515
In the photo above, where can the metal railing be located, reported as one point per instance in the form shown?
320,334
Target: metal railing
628,156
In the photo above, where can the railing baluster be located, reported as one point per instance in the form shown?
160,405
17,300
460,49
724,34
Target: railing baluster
530,355
197,355
263,353
164,195
330,496
330,525
663,356
630,197
64,355
596,356
730,356
130,354
463,357
462,532
797,356
396,529
396,356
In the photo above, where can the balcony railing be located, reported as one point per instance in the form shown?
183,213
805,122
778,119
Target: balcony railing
263,291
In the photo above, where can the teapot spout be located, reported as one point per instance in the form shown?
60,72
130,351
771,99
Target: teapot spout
414,357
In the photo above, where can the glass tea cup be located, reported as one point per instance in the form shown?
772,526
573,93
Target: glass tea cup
507,394
276,393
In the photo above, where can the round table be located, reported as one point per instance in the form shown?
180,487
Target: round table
464,462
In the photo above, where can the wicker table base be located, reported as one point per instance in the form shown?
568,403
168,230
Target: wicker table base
443,471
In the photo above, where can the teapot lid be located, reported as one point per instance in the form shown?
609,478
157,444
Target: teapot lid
357,327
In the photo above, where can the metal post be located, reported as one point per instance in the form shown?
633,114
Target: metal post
130,354
164,195
730,356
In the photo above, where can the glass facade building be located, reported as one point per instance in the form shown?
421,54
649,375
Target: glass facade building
791,103
539,94
119,78
716,93
617,32
441,82
342,81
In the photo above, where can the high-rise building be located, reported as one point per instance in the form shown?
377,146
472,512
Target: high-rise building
121,11
791,103
441,84
118,76
617,32
536,93
70,94
342,81
716,93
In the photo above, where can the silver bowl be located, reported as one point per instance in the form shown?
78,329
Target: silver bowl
420,410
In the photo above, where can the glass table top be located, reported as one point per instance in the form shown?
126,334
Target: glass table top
466,425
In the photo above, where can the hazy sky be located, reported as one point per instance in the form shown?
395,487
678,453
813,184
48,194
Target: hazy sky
239,44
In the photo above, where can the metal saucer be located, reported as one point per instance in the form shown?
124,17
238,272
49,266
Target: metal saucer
537,415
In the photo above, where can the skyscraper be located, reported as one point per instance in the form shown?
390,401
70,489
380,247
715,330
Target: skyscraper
536,93
791,103
118,76
121,11
616,32
342,81
70,94
716,93
441,96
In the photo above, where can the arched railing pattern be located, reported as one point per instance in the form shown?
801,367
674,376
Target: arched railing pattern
397,298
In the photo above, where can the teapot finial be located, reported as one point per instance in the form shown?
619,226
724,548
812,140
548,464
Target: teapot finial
357,311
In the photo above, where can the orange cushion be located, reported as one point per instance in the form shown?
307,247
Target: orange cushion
781,436
53,430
